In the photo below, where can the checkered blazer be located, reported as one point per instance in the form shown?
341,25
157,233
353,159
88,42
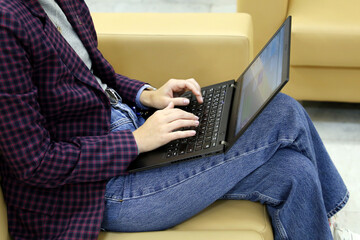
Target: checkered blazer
56,148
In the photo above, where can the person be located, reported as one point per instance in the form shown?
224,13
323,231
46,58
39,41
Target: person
69,131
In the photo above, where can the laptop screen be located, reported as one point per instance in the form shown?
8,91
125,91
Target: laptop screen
261,80
264,77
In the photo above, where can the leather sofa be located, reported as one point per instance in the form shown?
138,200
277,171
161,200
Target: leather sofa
157,47
325,50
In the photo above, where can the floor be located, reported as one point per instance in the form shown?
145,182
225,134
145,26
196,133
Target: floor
338,123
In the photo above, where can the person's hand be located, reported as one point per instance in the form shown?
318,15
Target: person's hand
162,128
171,92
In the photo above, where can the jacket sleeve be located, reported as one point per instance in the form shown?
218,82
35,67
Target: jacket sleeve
128,88
28,152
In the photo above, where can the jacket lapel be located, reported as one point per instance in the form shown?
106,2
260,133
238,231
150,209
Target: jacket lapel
73,62
35,8
73,16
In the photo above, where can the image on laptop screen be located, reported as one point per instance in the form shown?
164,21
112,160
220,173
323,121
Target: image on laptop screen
260,80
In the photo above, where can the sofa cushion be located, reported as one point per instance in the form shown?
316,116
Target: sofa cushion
225,219
326,33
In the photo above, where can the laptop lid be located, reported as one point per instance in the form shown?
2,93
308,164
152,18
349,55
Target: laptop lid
260,82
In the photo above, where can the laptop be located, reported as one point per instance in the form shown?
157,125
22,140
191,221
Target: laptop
229,107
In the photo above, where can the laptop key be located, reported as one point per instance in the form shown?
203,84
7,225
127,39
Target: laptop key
207,145
198,148
190,149
182,148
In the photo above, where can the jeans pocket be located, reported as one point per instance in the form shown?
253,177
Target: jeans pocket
122,124
120,119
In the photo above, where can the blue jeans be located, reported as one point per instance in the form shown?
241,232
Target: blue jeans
279,161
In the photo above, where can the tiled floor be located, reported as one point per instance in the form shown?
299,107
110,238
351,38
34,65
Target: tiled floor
338,124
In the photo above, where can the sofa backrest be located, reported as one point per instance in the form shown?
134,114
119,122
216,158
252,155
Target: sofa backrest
154,47
267,16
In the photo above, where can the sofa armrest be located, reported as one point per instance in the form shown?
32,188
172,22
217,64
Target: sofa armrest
4,233
155,47
267,18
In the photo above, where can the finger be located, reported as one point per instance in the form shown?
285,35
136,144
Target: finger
180,86
174,114
181,134
195,83
180,101
181,123
195,88
170,106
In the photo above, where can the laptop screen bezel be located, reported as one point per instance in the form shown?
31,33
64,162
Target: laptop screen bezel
232,136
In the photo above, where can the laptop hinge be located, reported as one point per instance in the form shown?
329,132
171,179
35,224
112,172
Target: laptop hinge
224,143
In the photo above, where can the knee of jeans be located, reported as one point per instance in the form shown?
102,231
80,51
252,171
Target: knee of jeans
285,98
302,172
287,111
293,169
286,102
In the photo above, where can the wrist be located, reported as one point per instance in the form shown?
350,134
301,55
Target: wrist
146,97
138,141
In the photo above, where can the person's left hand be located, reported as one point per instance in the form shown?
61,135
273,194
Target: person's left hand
171,92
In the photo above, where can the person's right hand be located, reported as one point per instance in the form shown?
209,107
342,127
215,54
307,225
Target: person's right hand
162,128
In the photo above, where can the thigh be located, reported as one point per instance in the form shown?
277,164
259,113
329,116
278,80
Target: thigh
161,198
164,197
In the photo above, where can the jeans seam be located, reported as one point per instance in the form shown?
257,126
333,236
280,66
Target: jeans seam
261,148
279,225
114,199
339,206
120,122
260,196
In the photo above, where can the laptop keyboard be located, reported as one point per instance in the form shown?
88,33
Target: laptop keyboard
209,113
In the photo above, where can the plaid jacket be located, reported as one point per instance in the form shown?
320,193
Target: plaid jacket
56,148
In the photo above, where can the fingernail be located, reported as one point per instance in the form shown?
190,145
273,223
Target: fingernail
186,101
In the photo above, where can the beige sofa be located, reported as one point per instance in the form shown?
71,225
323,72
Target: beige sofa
325,49
208,47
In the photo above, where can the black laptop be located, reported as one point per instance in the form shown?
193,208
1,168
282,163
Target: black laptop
229,107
